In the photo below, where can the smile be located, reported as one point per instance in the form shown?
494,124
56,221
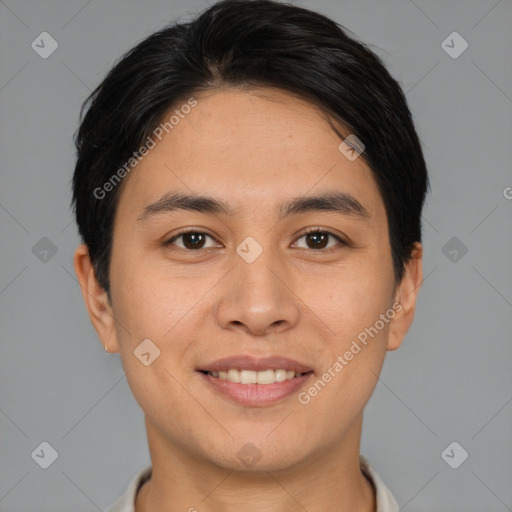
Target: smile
255,377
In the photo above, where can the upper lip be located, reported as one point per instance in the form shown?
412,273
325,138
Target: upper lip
244,362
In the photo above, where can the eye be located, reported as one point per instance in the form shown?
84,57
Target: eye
191,240
317,239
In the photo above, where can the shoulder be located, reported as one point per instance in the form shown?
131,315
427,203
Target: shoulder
385,500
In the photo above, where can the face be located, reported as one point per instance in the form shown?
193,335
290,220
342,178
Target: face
258,270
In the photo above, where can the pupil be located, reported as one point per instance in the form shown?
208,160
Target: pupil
319,239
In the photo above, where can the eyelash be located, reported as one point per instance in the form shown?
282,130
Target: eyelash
340,241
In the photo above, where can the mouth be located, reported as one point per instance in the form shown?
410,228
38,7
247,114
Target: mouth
255,382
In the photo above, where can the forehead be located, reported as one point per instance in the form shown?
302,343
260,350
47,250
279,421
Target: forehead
248,145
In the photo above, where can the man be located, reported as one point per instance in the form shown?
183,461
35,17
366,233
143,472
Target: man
248,190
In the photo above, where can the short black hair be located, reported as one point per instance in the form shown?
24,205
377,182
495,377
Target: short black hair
253,44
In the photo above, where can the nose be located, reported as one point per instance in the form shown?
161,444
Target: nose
257,298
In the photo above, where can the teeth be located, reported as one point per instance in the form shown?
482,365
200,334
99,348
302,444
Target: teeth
233,375
252,377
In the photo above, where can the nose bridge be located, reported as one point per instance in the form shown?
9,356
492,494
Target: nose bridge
257,278
257,295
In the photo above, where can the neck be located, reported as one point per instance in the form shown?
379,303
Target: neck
182,481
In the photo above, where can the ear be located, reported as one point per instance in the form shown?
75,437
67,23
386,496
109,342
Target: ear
96,299
407,292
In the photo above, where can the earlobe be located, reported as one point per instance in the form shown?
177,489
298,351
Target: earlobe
96,299
407,292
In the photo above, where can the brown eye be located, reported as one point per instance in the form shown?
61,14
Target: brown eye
190,240
193,240
317,239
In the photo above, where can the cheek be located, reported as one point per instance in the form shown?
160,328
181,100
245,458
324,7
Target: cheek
352,362
353,300
170,309
148,299
358,310
150,306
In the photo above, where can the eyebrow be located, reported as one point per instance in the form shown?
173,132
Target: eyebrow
338,202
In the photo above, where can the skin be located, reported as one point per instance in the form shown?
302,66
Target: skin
251,149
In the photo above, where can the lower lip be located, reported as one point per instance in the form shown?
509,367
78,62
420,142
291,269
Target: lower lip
256,394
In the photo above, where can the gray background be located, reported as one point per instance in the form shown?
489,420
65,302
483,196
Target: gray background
450,381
